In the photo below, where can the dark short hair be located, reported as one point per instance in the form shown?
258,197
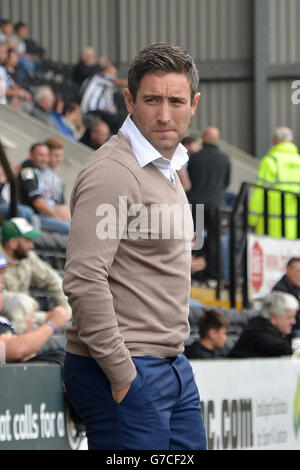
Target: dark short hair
5,21
70,107
212,319
20,25
37,144
292,261
189,139
164,58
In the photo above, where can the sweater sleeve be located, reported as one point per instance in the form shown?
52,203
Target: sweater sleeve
93,242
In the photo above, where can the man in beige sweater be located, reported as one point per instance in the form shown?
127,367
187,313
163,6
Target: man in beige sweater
127,275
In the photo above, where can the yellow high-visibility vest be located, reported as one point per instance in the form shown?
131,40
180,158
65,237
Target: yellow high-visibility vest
279,169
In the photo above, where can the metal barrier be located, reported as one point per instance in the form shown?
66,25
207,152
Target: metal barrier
238,246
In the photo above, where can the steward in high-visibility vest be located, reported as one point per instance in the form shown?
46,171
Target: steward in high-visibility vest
279,169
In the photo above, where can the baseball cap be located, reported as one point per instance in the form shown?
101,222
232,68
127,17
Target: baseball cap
3,262
19,227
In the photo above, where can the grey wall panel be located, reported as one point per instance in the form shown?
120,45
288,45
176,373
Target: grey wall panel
283,110
209,29
63,27
284,31
229,107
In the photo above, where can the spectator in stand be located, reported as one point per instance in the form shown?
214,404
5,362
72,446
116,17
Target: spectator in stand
56,156
266,335
192,144
86,67
98,95
13,70
213,327
97,135
71,122
290,283
209,171
21,32
30,52
35,343
26,267
44,100
6,30
37,189
23,211
12,91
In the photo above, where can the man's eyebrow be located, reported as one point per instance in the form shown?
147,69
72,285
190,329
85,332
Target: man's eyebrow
180,98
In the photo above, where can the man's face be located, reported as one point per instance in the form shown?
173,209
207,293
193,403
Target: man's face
40,156
56,157
293,273
163,109
23,32
285,322
22,248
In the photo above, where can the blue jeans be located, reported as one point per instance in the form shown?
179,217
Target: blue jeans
54,225
23,211
161,410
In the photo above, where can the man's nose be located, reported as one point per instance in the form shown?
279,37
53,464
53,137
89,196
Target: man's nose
164,113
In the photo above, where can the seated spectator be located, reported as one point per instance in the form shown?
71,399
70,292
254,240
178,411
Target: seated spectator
97,135
37,185
98,95
266,334
26,267
70,122
56,156
86,67
13,70
33,343
21,32
6,30
192,144
11,90
290,283
23,211
43,102
213,328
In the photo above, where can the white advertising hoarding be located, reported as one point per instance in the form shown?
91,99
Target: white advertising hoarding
250,404
267,258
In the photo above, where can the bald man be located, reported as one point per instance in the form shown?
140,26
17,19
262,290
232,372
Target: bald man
209,172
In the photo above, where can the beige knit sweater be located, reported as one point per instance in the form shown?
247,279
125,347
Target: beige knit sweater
129,295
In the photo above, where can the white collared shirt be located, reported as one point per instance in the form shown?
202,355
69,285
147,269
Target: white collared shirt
146,153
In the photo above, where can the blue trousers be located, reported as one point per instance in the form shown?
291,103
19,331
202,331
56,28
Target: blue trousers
161,410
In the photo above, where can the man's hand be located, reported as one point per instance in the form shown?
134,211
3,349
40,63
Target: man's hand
59,317
119,395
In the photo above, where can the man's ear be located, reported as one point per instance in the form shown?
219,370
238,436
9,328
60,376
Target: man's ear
128,101
195,102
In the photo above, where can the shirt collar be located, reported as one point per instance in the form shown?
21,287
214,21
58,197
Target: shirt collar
146,153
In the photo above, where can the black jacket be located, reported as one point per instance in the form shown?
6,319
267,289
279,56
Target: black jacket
284,285
260,339
209,172
198,351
